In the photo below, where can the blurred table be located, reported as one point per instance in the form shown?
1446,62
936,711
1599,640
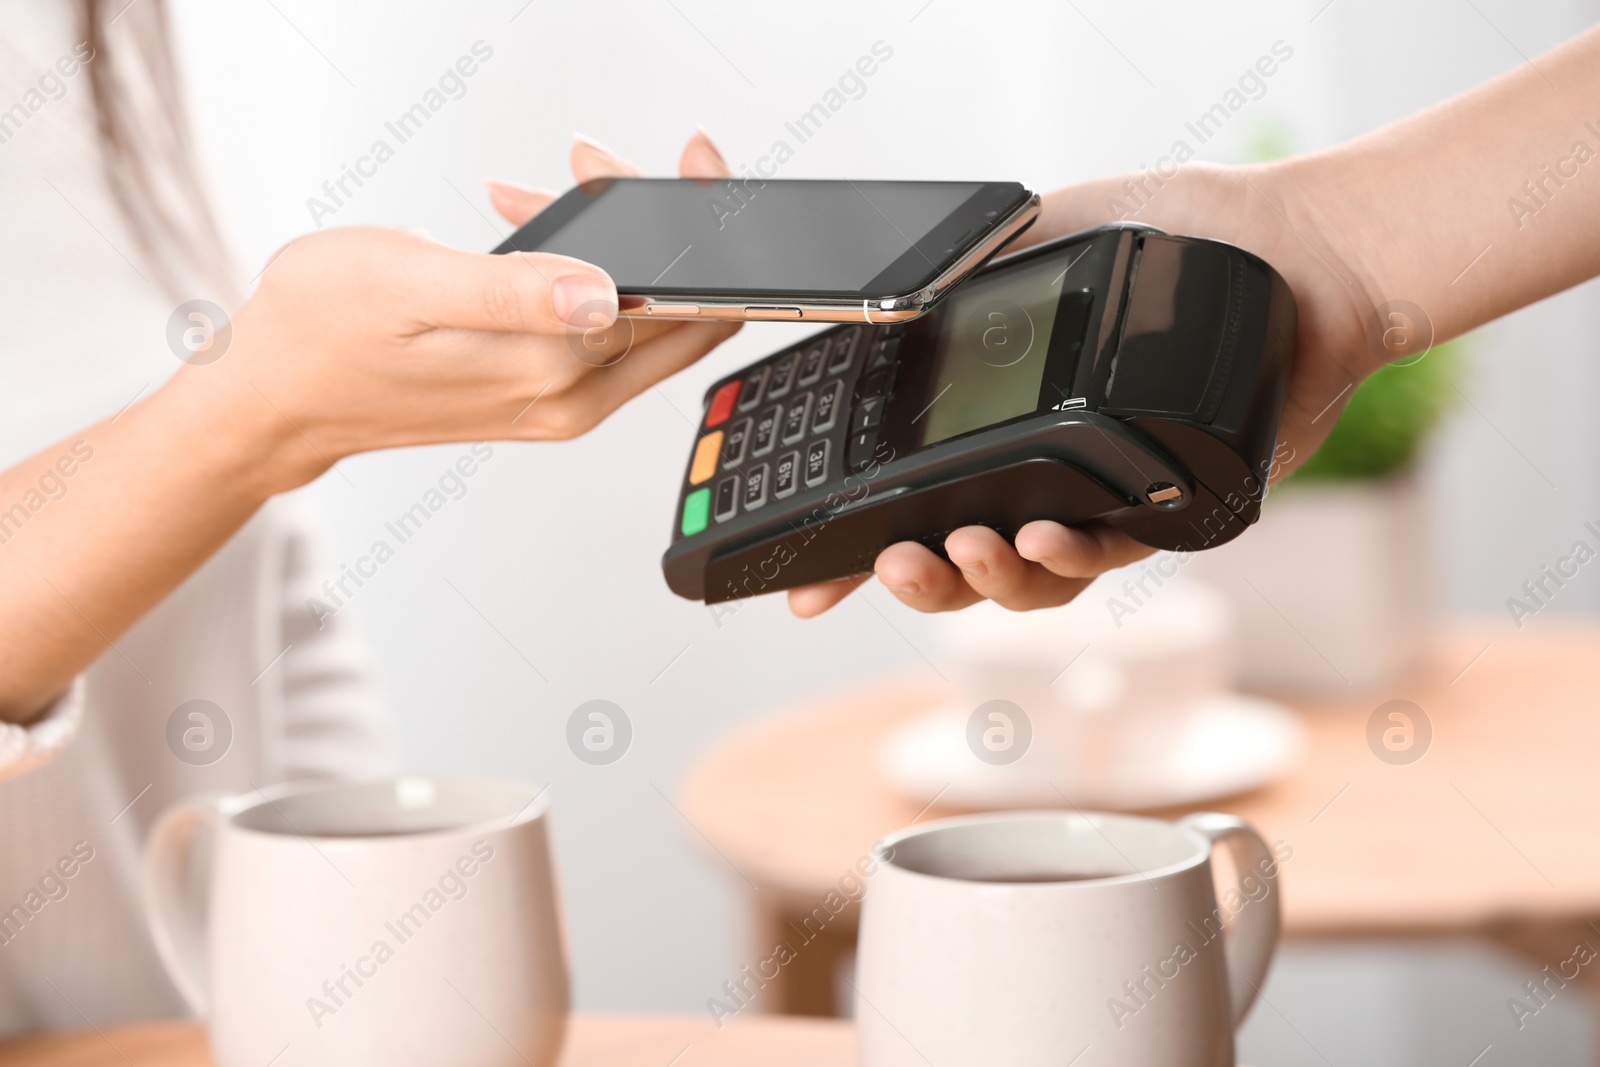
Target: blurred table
1494,832
592,1041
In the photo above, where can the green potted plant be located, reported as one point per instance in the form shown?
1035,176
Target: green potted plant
1389,417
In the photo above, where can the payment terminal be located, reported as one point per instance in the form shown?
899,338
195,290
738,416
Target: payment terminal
1121,376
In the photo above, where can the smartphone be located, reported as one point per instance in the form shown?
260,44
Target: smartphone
749,248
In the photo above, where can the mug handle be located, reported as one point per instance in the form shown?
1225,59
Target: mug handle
172,908
1253,933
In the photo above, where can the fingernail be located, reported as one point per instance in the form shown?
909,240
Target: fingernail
513,195
975,570
706,137
514,189
585,139
578,298
497,187
905,590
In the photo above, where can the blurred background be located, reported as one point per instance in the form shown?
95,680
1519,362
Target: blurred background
540,589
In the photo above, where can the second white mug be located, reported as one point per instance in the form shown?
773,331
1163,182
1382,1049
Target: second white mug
1041,939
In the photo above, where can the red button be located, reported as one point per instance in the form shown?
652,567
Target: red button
722,404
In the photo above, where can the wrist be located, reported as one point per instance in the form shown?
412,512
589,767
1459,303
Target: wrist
245,436
1324,201
1328,204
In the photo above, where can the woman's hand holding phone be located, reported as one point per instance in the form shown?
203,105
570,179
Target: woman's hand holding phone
363,338
356,339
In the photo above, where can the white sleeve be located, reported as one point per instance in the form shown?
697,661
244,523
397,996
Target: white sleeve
336,722
23,748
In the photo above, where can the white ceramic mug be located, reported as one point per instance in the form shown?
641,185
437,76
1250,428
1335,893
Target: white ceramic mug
1048,938
399,922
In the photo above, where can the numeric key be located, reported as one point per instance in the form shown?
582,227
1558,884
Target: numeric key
750,394
816,463
794,420
755,487
782,379
843,351
827,413
727,502
735,443
786,477
767,430
811,363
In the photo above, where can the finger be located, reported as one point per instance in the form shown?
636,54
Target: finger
622,360
591,160
809,601
701,159
1068,210
517,203
1075,208
520,292
1321,384
634,371
992,568
921,580
1078,551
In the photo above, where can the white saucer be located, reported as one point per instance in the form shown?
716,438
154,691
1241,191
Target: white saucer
1227,744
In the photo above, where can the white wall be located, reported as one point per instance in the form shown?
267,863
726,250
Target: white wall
557,545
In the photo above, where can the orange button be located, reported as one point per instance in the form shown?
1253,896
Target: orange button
706,454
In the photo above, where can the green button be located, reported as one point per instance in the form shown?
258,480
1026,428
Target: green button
696,511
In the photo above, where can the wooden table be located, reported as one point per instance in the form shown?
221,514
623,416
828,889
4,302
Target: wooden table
1494,832
592,1041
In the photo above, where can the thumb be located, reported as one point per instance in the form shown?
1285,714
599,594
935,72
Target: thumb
521,292
1074,208
1078,207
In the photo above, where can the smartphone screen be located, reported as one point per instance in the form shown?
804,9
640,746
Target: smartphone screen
802,238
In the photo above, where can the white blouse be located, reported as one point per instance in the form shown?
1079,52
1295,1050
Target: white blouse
82,333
